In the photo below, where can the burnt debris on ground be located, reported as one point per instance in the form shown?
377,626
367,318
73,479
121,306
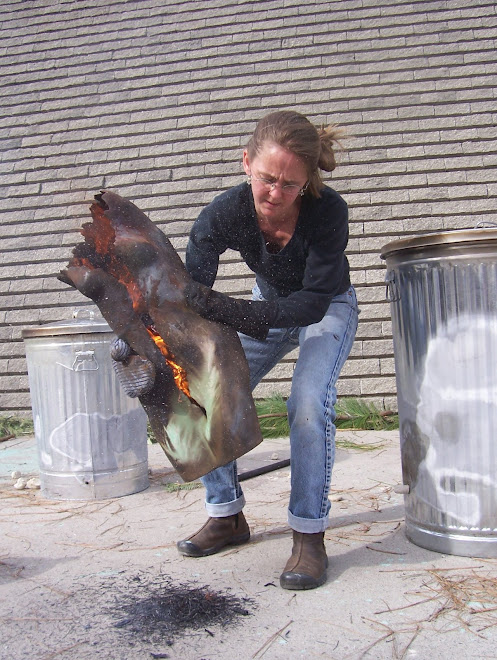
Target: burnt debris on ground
156,608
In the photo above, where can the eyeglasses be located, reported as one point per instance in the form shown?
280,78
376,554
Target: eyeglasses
287,189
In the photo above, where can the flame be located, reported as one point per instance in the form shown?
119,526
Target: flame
101,235
179,374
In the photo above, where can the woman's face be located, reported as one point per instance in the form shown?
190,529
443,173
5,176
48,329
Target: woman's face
278,176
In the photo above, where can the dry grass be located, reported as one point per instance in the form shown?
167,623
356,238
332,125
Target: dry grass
470,598
458,599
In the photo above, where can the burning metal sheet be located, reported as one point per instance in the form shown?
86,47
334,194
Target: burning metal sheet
199,402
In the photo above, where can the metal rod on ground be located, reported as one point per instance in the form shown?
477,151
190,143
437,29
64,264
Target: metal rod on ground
263,469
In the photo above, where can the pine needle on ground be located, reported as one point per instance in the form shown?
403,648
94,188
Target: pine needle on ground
352,414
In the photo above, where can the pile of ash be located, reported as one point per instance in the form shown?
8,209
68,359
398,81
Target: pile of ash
159,610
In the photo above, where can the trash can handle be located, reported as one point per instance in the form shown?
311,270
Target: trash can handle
83,313
392,293
481,224
85,361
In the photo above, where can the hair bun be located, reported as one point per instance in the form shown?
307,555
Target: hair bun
330,137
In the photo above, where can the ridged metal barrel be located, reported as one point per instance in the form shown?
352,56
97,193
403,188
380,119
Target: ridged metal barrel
443,293
91,438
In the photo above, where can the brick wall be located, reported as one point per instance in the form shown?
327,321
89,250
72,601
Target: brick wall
155,100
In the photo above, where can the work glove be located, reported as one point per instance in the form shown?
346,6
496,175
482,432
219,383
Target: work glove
253,318
136,374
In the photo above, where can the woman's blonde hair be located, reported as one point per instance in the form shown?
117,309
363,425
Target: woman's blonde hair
315,147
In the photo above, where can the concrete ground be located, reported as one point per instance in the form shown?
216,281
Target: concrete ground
90,579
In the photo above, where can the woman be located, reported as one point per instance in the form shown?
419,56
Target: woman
292,232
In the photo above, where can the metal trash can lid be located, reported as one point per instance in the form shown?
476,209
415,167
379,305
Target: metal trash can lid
440,240
78,325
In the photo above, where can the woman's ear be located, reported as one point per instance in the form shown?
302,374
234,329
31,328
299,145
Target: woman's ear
246,164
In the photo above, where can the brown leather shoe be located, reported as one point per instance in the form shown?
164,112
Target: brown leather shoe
306,568
215,535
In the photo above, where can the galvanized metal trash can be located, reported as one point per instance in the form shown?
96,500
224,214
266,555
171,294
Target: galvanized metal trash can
91,438
443,293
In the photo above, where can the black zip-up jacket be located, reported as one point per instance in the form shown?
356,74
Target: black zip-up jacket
298,283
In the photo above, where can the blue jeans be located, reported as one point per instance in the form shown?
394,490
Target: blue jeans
324,347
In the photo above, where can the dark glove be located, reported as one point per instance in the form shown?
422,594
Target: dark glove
136,374
253,318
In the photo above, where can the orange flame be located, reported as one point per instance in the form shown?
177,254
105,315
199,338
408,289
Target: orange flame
179,374
101,234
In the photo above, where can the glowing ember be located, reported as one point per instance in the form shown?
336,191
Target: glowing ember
102,236
179,374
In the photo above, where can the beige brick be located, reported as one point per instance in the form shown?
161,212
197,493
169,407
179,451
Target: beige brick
165,124
385,385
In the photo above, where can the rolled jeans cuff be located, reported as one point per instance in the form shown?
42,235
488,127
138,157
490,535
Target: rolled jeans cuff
226,508
307,525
